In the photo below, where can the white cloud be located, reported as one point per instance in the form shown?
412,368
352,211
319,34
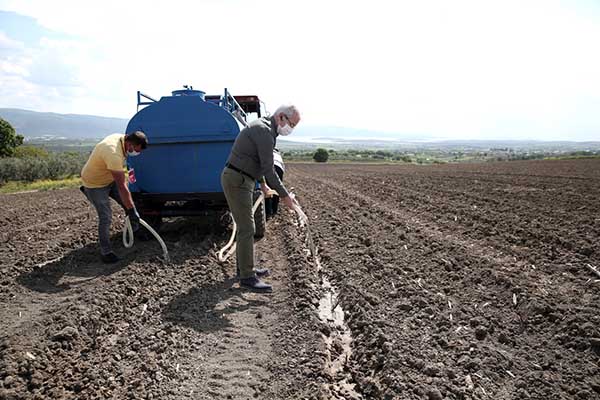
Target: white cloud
7,43
56,63
450,69
11,57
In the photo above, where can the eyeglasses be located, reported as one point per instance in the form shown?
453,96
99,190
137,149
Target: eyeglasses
290,121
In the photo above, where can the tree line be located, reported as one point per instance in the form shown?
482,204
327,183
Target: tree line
19,162
22,162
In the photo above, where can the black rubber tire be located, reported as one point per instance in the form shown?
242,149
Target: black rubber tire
260,218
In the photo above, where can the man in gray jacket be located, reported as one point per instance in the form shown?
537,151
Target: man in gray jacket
251,159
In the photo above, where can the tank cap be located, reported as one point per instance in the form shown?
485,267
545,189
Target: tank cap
188,91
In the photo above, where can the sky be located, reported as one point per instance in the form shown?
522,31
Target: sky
474,69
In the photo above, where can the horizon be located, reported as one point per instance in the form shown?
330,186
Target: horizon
313,134
431,69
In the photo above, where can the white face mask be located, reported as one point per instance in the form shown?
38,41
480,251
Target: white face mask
284,130
133,153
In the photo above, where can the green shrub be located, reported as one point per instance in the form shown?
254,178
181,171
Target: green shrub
8,169
321,155
27,151
33,169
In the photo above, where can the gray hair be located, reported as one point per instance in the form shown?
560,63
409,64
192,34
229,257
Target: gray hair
287,109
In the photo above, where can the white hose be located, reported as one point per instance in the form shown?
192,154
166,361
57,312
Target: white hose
231,243
128,236
301,217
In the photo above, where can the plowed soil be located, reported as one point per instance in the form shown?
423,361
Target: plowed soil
456,281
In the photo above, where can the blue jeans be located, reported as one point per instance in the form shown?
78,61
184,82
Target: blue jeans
100,199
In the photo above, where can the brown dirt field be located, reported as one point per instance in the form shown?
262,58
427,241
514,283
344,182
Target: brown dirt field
464,281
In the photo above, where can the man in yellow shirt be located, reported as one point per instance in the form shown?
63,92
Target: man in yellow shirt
103,178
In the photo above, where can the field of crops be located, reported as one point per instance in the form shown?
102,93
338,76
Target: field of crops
457,281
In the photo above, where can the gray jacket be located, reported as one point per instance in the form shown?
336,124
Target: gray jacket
252,152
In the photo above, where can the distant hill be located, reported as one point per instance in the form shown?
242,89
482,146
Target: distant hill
49,126
327,133
33,124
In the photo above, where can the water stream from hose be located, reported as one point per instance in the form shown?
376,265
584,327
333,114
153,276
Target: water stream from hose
338,341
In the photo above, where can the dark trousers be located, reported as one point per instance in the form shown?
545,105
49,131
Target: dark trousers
239,192
272,203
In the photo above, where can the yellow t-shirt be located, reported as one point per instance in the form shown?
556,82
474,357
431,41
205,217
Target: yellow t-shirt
107,155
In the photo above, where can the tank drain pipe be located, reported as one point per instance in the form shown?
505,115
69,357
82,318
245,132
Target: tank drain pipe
128,238
230,246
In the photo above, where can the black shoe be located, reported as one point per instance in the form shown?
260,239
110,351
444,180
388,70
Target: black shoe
109,258
255,284
259,272
262,272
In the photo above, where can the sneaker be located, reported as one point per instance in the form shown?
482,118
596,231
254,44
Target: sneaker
259,272
109,258
255,284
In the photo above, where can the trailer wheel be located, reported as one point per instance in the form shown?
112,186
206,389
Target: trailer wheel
260,218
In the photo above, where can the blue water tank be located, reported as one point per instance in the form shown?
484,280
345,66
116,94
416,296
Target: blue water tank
189,142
